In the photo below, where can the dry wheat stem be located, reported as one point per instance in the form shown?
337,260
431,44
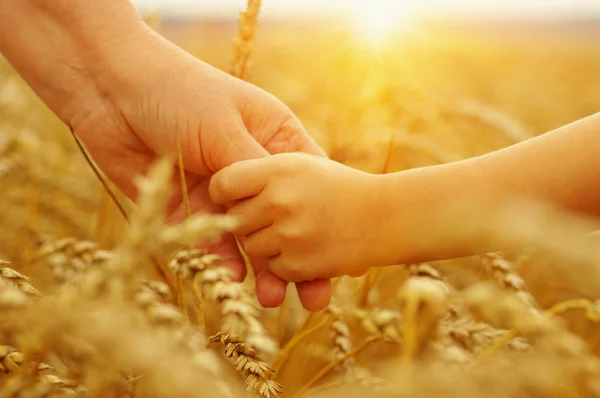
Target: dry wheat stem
323,372
388,156
592,308
161,271
200,297
188,214
283,354
307,320
494,348
342,345
183,183
424,302
281,316
98,174
324,387
409,329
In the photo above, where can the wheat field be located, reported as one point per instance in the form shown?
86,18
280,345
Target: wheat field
94,305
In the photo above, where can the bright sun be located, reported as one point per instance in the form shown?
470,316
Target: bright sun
377,20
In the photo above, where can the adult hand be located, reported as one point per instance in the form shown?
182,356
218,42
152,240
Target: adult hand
219,119
129,94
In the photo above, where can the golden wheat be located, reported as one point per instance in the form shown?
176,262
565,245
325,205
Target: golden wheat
126,312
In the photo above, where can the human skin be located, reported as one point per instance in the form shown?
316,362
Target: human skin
315,218
130,94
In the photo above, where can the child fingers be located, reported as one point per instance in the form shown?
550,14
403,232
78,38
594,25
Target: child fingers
262,243
251,214
239,180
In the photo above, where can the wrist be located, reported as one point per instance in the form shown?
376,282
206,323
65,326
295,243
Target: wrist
110,56
67,51
416,210
384,220
140,65
390,220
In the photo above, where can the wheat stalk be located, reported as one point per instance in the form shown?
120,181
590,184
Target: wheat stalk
332,365
257,374
22,385
340,339
239,310
507,277
294,342
244,40
154,297
10,359
382,323
592,308
424,303
504,310
18,280
70,257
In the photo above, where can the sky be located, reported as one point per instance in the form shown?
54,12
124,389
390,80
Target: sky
290,8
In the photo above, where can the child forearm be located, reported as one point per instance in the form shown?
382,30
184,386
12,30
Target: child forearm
441,210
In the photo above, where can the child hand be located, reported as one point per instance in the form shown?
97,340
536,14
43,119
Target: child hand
312,217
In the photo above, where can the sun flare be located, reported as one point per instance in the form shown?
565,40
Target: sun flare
376,21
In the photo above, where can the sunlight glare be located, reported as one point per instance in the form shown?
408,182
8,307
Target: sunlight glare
376,21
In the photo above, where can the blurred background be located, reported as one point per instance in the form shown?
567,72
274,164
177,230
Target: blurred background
462,77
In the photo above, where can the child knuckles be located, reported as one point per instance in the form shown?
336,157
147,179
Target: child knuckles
289,235
279,202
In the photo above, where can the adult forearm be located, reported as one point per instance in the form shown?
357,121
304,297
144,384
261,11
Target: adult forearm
452,210
68,50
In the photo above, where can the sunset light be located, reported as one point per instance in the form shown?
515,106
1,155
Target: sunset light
300,198
377,21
